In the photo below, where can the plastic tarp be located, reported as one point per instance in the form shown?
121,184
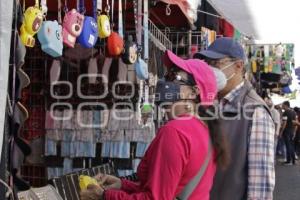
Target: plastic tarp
268,21
6,10
188,7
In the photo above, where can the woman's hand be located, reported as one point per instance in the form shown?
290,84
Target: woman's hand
108,181
93,192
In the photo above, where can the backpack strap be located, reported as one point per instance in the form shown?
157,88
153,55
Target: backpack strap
190,187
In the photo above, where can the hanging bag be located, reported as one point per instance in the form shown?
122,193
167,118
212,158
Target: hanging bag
33,18
130,49
115,42
50,34
141,66
130,54
72,26
89,34
103,21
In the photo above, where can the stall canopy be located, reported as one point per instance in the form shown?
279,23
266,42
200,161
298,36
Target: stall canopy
188,7
268,21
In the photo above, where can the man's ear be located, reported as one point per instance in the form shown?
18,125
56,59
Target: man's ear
239,66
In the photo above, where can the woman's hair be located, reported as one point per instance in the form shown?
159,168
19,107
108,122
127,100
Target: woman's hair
218,139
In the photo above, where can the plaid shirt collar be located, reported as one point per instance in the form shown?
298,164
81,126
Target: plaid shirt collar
233,93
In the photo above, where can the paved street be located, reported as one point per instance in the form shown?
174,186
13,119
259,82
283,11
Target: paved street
287,182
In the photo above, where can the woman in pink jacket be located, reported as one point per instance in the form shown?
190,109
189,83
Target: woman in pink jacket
183,146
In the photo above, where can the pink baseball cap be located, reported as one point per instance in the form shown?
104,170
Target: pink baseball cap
204,75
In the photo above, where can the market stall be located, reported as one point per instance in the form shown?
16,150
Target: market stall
82,78
70,77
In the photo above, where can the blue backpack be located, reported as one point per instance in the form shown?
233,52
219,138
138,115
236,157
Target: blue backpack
89,34
50,37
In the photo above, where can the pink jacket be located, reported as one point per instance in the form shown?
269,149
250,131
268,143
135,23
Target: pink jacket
171,161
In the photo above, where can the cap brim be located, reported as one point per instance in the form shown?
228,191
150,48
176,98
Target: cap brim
209,54
170,59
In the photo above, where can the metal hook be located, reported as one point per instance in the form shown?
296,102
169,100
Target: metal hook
167,30
84,11
107,8
66,7
168,10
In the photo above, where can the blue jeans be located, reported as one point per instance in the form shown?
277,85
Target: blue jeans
281,150
290,150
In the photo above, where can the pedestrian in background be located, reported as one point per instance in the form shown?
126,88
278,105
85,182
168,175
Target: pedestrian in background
288,132
297,137
277,121
281,149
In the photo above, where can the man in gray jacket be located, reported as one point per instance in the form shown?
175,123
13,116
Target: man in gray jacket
246,122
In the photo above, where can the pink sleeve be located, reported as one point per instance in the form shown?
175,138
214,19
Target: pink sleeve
129,186
166,158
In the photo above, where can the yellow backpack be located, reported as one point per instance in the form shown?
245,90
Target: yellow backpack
33,18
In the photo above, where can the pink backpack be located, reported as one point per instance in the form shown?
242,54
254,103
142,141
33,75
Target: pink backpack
72,27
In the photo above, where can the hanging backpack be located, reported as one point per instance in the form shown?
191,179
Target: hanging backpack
103,20
50,35
89,34
33,18
72,26
130,51
115,42
141,66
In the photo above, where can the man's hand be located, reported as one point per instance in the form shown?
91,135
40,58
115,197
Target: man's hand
93,192
296,123
108,181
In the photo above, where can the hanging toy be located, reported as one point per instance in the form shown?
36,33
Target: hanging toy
141,69
89,34
50,36
254,65
130,54
141,65
33,18
84,181
270,64
147,107
72,27
266,64
130,51
103,21
279,50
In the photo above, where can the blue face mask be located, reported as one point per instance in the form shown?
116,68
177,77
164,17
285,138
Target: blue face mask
167,91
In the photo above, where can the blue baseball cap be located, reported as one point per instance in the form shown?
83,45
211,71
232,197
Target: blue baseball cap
221,48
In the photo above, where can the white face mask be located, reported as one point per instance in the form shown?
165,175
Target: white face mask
221,78
227,66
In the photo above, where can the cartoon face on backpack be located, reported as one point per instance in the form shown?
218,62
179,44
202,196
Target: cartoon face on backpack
103,26
89,34
33,18
50,37
72,27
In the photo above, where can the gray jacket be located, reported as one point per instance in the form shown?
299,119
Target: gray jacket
231,184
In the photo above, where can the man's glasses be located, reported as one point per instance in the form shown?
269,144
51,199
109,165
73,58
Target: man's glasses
218,63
